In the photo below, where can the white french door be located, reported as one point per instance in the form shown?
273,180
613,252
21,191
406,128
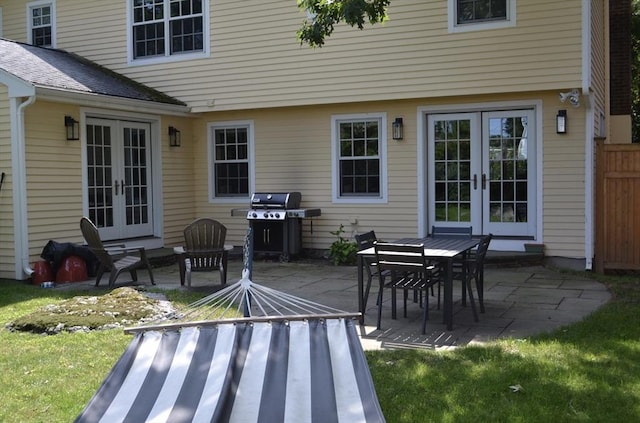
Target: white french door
119,177
481,172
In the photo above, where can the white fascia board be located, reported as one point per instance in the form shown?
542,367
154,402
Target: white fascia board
110,102
16,87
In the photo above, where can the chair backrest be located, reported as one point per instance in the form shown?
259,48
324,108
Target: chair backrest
483,246
400,257
205,234
451,231
92,237
366,240
481,252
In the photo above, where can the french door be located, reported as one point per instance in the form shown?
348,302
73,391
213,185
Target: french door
481,172
119,177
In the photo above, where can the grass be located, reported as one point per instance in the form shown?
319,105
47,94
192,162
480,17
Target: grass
586,372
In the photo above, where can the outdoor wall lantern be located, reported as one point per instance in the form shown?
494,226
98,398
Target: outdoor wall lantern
73,128
397,129
174,137
561,122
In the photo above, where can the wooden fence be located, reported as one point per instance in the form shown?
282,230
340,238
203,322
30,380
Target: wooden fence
617,207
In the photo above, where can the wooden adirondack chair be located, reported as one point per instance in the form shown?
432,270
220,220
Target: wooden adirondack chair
204,250
114,259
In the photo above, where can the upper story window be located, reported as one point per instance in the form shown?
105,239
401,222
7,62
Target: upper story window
359,145
471,15
40,23
231,163
163,29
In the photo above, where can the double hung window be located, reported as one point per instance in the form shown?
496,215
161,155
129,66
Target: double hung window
41,18
231,147
167,28
468,15
358,157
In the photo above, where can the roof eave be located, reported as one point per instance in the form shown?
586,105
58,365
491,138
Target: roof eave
17,87
111,102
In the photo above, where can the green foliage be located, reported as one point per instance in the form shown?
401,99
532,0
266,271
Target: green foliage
327,13
342,251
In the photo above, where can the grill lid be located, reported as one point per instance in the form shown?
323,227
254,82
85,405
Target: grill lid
281,200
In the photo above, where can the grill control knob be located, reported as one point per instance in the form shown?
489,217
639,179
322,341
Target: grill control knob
255,214
277,215
266,215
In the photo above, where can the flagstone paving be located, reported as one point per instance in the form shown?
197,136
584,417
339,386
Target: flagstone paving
519,301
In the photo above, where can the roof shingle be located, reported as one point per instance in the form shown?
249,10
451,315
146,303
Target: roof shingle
53,68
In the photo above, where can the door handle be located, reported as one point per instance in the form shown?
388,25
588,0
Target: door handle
484,181
475,181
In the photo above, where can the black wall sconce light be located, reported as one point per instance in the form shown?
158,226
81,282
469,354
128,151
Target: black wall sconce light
73,128
397,129
174,137
561,122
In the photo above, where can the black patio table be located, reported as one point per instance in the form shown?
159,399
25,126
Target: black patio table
442,249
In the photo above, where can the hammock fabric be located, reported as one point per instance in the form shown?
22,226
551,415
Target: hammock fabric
310,370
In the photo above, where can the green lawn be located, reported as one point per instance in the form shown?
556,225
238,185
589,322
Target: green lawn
589,371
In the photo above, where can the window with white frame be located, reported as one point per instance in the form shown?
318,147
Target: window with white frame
40,23
168,28
470,15
359,146
231,153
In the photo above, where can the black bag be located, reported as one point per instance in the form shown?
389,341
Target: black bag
55,253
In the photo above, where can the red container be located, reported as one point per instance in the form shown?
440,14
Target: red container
41,272
73,269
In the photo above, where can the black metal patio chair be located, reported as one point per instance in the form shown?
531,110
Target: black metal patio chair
409,271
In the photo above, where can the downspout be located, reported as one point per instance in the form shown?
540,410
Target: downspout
20,220
589,156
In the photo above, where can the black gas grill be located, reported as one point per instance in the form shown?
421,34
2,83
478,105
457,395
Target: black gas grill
276,222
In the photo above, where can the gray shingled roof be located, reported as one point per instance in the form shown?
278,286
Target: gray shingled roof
52,68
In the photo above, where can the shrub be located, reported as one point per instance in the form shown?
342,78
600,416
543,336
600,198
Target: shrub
342,251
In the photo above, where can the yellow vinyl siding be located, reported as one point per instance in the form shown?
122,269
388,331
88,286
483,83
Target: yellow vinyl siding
54,177
564,182
257,62
293,153
14,20
7,247
177,180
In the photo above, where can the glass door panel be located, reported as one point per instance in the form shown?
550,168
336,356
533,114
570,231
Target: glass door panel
509,181
454,142
100,179
136,179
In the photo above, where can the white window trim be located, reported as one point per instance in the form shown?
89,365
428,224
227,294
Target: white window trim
455,27
335,159
131,61
41,3
211,127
